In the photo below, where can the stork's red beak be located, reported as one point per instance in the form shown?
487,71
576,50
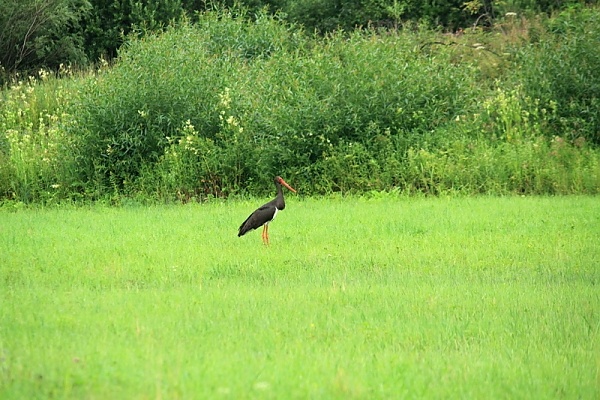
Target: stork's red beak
284,183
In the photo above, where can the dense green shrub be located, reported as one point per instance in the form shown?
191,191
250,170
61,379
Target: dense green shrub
37,156
269,98
46,33
218,106
128,115
40,34
561,70
110,21
529,166
347,91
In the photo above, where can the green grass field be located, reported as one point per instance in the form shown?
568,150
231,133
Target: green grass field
486,298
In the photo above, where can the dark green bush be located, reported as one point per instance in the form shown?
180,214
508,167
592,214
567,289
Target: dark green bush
561,70
46,33
110,21
218,106
40,34
127,115
344,91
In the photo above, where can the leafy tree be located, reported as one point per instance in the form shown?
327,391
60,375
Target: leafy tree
110,21
40,33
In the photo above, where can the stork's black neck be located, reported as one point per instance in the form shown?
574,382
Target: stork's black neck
279,201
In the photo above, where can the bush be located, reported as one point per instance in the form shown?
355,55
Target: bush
219,106
530,166
128,116
271,100
561,71
109,22
36,154
38,35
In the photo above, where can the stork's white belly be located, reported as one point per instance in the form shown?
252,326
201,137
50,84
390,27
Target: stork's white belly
274,215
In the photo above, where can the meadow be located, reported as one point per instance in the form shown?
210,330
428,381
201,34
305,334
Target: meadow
381,296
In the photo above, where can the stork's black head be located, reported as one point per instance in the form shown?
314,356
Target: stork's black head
279,181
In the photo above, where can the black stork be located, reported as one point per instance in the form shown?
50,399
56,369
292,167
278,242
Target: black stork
266,213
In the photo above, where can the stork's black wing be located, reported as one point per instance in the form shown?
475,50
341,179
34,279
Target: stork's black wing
258,218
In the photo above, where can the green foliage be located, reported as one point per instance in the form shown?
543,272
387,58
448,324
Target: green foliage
327,16
36,153
528,167
128,114
195,167
349,91
561,70
110,21
504,149
38,34
540,6
272,100
217,106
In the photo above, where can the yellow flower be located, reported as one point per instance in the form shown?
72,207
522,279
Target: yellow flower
231,121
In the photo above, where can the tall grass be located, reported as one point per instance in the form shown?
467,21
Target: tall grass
370,298
37,155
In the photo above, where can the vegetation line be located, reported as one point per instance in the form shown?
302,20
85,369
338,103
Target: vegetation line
216,105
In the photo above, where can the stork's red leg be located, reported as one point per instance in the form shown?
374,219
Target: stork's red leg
264,235
267,233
